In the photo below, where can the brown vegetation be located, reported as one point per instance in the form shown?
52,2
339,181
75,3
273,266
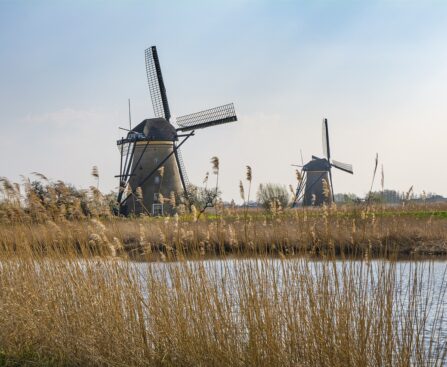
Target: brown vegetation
348,231
63,310
70,296
44,214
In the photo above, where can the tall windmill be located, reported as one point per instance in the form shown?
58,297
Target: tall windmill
318,171
151,165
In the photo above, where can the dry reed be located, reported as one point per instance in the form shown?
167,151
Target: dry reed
344,231
58,310
70,293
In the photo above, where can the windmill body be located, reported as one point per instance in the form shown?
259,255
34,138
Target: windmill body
158,143
316,172
152,172
316,186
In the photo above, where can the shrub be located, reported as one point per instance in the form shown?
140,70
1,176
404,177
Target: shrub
272,193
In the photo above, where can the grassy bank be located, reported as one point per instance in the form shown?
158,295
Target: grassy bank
42,215
348,230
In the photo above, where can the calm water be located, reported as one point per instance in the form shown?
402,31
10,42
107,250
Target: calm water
422,282
426,280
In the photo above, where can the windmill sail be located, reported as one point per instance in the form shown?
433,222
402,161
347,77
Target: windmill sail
343,166
182,169
156,85
214,116
326,149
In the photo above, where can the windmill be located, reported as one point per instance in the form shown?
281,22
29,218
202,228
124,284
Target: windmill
151,165
312,188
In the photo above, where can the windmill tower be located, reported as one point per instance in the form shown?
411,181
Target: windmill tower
317,172
151,165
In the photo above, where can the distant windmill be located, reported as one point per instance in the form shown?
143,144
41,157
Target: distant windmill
314,173
151,166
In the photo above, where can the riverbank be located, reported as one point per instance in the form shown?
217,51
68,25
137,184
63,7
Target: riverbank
341,231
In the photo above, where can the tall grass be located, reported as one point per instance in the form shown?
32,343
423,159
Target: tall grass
65,310
45,214
70,294
345,231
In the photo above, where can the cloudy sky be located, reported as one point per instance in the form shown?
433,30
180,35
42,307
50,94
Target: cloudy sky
377,70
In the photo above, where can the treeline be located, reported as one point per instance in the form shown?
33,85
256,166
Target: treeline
390,197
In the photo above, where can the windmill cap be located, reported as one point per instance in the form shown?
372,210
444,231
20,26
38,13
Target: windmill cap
320,164
156,129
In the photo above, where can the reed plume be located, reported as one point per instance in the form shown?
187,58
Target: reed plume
242,191
95,174
215,164
248,174
139,193
326,189
40,175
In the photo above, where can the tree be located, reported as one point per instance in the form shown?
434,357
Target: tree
346,198
269,194
202,198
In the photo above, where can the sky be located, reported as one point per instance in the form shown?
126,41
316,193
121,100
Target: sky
376,70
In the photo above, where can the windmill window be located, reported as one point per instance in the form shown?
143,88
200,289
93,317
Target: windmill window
156,197
157,209
155,160
157,180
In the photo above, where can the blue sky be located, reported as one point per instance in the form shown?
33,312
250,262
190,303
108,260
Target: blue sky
377,70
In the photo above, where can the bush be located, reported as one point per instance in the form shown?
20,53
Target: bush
202,197
272,193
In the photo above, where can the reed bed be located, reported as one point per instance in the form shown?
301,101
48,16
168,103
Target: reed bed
45,215
66,310
278,292
344,231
